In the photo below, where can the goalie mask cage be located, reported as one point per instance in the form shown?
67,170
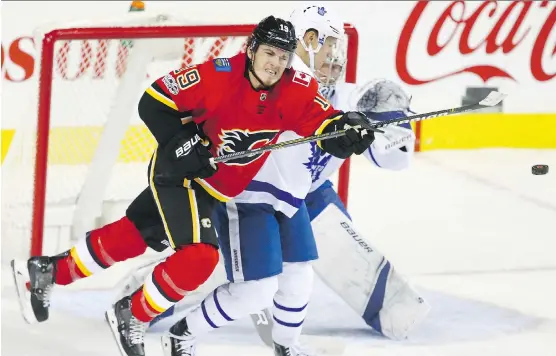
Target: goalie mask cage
85,158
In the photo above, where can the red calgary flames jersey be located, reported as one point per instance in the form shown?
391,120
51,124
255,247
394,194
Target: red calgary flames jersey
237,117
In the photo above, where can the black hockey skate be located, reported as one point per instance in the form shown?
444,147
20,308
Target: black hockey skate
128,331
34,280
280,350
179,341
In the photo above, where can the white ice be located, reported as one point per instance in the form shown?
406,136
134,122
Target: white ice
474,230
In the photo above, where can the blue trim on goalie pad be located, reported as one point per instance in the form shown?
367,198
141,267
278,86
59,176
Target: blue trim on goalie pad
371,314
255,239
320,198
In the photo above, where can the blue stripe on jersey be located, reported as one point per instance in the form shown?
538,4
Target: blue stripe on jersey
258,186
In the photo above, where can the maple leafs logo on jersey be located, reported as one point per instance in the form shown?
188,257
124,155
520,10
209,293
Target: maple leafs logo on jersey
317,161
242,140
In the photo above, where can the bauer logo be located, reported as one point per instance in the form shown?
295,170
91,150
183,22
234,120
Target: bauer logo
356,236
171,84
222,65
185,149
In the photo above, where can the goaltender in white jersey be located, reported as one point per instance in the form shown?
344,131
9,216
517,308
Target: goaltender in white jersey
348,263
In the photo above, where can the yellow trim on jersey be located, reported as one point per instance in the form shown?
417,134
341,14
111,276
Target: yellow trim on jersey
164,100
80,265
150,300
323,125
213,192
194,216
155,195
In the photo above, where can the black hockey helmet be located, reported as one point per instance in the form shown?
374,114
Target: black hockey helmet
275,32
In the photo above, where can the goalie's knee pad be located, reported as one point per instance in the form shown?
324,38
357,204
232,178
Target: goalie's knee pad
363,277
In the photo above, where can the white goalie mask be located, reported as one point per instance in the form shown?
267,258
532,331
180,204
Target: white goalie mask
332,71
316,18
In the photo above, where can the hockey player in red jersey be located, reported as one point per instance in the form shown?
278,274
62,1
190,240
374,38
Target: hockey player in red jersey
195,113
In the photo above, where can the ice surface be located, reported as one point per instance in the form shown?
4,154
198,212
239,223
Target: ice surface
474,230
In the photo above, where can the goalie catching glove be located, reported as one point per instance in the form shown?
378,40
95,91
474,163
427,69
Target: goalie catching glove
359,135
185,156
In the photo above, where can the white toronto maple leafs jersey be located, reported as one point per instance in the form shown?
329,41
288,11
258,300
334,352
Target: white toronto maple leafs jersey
284,180
291,173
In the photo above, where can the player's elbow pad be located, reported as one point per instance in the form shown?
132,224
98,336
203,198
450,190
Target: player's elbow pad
161,121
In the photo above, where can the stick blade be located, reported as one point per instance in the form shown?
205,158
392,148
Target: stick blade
493,98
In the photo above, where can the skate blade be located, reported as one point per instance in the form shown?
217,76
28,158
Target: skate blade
166,345
21,277
113,323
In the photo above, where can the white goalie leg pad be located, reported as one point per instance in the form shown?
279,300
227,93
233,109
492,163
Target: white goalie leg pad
403,308
363,277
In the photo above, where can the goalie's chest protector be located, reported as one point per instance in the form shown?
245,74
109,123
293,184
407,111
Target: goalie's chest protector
238,118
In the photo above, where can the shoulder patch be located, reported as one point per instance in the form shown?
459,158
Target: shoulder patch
170,84
302,78
222,65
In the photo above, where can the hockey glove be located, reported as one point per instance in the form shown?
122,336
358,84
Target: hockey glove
359,135
185,156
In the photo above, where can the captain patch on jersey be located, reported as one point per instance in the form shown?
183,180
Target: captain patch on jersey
242,140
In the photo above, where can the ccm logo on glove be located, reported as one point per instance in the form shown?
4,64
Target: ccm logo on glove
187,146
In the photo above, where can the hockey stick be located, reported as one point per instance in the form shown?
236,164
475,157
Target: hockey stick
263,320
492,99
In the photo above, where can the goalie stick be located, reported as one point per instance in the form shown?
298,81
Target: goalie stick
492,99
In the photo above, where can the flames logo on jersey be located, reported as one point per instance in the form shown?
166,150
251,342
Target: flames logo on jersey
242,140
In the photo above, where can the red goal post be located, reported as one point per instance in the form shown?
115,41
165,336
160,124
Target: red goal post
50,69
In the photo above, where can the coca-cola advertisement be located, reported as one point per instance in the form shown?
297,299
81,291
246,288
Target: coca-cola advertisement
439,51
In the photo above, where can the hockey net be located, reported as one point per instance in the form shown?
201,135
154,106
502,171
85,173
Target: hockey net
84,158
